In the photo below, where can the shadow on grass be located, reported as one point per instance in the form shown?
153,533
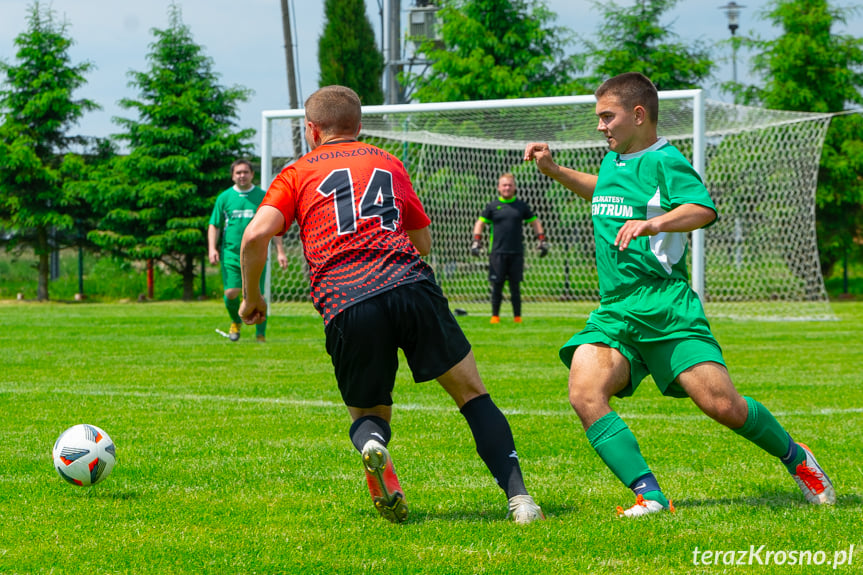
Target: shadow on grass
775,498
479,516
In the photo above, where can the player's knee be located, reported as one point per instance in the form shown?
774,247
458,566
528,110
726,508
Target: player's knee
729,411
582,395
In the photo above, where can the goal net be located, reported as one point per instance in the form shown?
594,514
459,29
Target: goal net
758,261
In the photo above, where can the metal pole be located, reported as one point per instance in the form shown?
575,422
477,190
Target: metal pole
81,270
292,77
698,164
394,40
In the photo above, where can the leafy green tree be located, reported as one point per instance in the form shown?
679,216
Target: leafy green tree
491,49
157,200
809,68
631,39
347,53
38,112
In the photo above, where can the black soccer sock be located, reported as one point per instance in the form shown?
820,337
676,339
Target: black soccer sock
496,298
494,443
367,428
515,296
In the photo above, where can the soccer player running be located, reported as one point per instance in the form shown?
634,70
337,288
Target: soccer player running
644,200
232,212
506,256
363,230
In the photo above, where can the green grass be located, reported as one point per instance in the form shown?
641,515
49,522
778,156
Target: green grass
109,280
234,458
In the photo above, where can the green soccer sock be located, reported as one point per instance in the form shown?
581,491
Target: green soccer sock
762,429
233,307
615,443
261,328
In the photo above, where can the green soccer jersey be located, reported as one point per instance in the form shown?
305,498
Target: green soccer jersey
641,186
232,213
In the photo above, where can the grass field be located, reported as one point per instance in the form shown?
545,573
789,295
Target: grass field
234,458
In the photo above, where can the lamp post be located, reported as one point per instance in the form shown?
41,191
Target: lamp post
732,12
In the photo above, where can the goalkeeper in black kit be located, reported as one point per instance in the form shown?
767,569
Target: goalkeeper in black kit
505,216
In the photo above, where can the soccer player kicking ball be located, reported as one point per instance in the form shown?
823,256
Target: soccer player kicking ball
363,231
645,199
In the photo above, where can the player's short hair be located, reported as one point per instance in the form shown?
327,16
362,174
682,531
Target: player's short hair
632,89
335,110
240,162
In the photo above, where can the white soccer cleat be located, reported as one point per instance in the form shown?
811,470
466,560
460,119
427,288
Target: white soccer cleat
523,509
644,507
813,482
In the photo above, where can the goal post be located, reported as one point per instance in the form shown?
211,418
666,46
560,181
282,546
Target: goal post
760,167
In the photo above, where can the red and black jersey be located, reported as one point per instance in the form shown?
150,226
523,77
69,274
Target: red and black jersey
353,203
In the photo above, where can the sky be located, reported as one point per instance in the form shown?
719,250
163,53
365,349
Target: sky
246,43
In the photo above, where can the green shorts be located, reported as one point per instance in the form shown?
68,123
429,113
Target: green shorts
660,328
232,276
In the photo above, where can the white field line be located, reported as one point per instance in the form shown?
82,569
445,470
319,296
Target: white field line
443,407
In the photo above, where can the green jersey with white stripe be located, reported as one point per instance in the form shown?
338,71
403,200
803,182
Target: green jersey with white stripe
641,186
231,214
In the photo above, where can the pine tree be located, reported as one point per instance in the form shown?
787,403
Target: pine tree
158,199
38,112
347,53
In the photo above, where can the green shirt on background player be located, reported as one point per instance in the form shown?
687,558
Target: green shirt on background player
234,209
644,201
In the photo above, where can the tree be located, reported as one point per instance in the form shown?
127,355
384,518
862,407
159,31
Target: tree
347,53
810,69
157,200
491,49
38,111
631,39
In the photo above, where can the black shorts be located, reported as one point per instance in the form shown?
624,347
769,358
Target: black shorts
504,267
364,339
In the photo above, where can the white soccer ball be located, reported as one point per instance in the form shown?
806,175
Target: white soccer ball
84,455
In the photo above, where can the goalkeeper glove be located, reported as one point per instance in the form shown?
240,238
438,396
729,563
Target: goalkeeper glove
474,246
542,246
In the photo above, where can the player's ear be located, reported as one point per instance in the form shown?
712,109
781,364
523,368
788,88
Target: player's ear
640,115
359,129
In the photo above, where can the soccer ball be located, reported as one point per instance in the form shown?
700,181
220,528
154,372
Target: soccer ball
84,455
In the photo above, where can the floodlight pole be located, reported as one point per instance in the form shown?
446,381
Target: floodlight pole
732,12
393,56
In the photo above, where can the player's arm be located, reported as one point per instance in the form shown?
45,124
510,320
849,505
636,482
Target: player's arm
541,244
581,183
254,251
280,253
683,218
213,243
421,239
478,227
537,228
475,243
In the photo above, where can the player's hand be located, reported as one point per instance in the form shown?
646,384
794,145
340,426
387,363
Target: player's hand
474,248
214,257
253,310
540,153
633,229
542,248
283,261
